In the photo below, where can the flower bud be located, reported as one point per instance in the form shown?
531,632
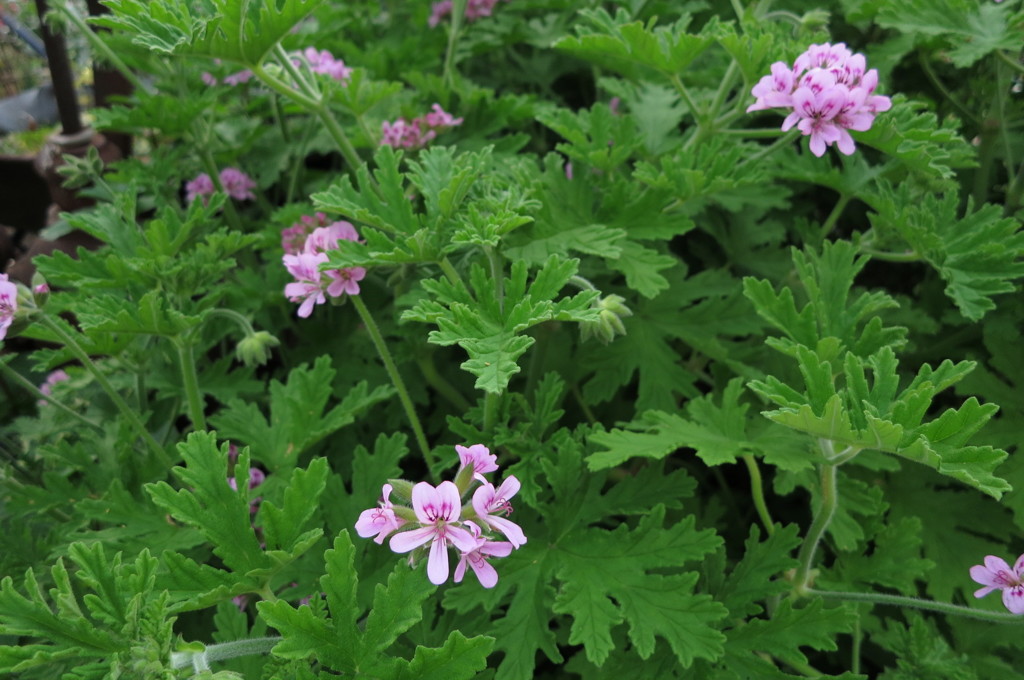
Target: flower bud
40,289
402,489
254,350
611,311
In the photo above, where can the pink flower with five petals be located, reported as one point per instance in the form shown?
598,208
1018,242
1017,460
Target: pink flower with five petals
489,502
380,521
437,509
996,574
477,558
479,457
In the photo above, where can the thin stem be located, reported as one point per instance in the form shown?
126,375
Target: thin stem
28,385
442,386
101,47
238,318
918,603
758,133
768,150
833,217
122,406
458,13
582,283
685,94
723,89
396,380
757,490
491,402
309,87
933,78
591,418
858,638
737,7
224,651
822,518
908,256
449,270
1010,61
210,165
498,274
190,381
279,117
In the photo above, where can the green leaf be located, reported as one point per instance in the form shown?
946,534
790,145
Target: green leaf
789,629
489,327
978,256
210,505
756,577
605,581
381,201
297,414
460,658
282,526
241,32
631,47
396,608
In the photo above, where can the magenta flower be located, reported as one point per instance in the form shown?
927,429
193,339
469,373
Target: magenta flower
293,239
439,118
474,10
437,510
479,457
381,521
488,500
344,281
829,91
202,185
238,78
415,135
237,184
308,288
8,304
477,558
996,574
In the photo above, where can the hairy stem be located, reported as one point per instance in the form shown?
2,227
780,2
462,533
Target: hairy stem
190,382
785,140
833,217
757,490
222,652
918,603
122,406
396,380
822,518
458,14
28,385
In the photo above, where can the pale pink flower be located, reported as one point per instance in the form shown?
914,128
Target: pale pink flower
238,78
344,281
241,601
775,90
488,500
437,509
479,457
209,78
415,135
324,62
614,104
293,239
439,118
8,304
308,287
202,185
60,375
996,574
237,184
813,114
381,521
326,238
477,558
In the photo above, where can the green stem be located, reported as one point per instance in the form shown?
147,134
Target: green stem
933,78
122,406
458,13
101,47
685,94
210,165
786,140
1004,131
582,283
578,395
491,402
833,217
822,518
858,637
308,86
449,270
442,386
279,117
723,89
758,133
918,603
223,652
737,7
190,381
757,490
28,385
498,274
1010,61
238,318
909,256
396,380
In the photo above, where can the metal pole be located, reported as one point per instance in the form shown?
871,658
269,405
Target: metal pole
60,74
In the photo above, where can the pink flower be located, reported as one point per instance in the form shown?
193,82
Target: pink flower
209,78
474,10
238,78
325,63
437,510
60,375
379,522
415,135
996,574
241,601
237,184
202,185
326,238
308,287
829,92
479,457
344,281
293,239
477,558
8,304
439,118
487,500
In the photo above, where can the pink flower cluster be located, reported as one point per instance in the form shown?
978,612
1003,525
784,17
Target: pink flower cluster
829,91
996,574
319,61
236,183
415,135
439,518
310,283
474,10
8,304
293,238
